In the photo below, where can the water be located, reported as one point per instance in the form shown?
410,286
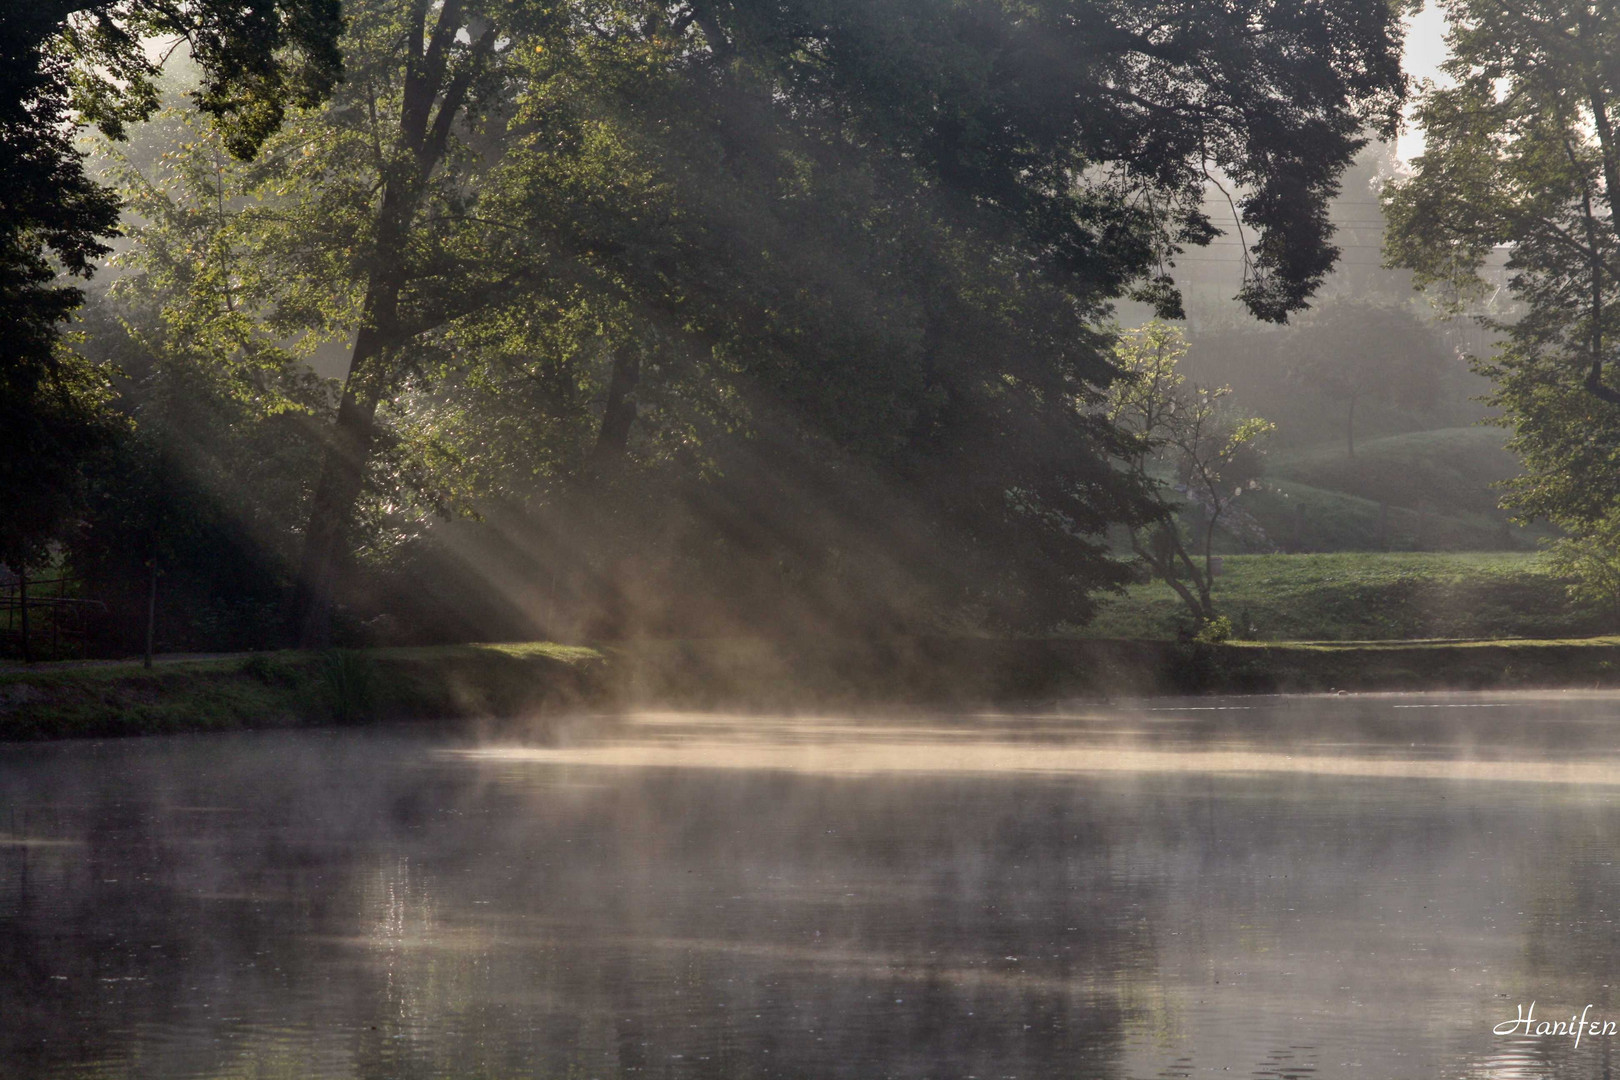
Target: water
1308,887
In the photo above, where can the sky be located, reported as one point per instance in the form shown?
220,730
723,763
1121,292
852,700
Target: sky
1425,51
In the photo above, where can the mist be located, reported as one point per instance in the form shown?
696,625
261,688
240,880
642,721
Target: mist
858,538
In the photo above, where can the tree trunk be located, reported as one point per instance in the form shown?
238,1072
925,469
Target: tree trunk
1594,374
343,472
1166,572
1207,585
22,608
1350,427
326,541
1163,558
619,415
151,613
424,133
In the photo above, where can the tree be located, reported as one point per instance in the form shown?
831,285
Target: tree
811,256
1180,430
52,420
193,509
1085,169
65,64
1589,557
1351,351
889,225
405,226
1521,157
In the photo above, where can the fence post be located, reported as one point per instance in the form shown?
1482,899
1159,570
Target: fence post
22,607
151,615
56,615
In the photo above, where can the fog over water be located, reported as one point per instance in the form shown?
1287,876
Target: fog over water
1339,886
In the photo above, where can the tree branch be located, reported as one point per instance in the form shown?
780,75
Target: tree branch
719,45
1594,373
455,95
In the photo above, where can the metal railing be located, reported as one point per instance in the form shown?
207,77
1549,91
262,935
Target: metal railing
58,623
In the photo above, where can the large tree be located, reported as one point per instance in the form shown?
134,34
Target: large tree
1522,159
738,176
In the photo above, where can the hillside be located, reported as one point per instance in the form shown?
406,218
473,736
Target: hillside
1422,491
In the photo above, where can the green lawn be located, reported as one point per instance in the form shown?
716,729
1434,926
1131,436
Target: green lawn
1369,596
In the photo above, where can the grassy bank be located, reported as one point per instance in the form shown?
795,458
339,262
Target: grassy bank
525,689
1366,596
285,689
1310,667
964,672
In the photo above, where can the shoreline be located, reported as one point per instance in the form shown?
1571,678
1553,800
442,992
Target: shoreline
493,685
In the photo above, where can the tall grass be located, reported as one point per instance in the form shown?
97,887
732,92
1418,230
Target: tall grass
348,685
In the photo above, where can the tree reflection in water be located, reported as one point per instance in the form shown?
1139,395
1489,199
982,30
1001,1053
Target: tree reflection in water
369,905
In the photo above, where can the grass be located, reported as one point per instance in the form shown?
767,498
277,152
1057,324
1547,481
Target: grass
1300,517
1364,596
1422,665
1449,471
1435,646
284,689
517,650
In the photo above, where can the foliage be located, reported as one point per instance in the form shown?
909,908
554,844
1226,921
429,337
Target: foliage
348,684
698,288
280,689
746,267
65,64
52,421
1521,153
150,509
1180,427
1590,559
1352,351
204,482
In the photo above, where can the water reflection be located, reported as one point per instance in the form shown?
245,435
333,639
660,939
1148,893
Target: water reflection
1308,887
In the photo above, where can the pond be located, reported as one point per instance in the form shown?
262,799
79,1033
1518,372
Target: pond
1360,886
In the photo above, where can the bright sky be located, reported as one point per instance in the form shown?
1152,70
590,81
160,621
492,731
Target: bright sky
1425,51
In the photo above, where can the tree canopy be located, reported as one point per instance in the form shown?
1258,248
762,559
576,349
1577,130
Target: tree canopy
65,64
1521,159
883,230
785,298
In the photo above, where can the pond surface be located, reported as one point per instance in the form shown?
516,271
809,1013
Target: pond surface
1288,887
